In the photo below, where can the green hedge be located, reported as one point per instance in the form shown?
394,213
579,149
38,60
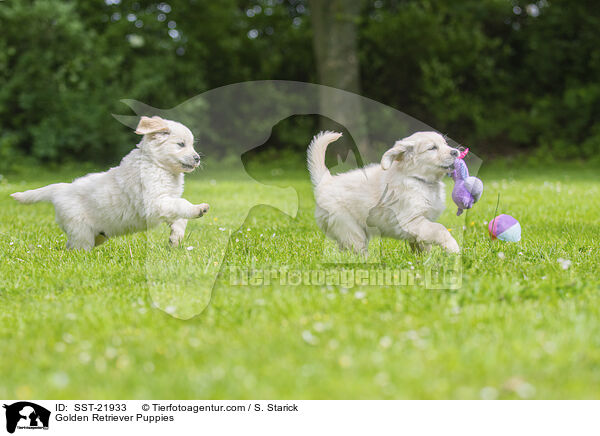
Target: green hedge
497,75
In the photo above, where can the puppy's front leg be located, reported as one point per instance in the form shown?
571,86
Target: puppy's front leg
177,232
427,232
172,209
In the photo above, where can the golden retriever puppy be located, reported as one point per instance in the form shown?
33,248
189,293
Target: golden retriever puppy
400,198
143,191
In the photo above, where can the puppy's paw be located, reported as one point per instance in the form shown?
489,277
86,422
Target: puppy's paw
175,239
202,209
451,246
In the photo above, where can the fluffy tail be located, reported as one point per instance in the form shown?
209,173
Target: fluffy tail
42,194
316,155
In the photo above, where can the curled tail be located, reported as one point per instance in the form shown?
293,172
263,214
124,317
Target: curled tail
316,155
42,194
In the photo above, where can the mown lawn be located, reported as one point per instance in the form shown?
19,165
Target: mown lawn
525,322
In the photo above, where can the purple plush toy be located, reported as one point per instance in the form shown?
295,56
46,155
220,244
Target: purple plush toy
467,190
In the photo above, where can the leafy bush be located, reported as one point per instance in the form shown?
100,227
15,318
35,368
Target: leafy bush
495,74
498,74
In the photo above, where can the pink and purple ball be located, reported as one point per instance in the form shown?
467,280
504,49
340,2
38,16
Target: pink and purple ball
505,228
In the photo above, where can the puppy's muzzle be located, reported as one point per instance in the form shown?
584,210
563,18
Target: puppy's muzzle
191,166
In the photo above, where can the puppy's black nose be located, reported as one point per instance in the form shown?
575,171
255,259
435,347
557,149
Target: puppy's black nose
197,158
454,153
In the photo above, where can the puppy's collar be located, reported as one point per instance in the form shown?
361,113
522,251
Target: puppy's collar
422,180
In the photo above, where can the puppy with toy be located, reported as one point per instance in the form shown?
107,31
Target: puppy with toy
143,191
400,198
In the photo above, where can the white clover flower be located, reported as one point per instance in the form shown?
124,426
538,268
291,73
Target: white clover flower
488,393
60,379
385,342
564,263
84,357
309,338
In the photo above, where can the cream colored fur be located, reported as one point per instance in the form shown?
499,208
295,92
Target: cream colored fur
400,198
143,191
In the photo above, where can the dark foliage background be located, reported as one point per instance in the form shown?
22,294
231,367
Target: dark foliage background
498,75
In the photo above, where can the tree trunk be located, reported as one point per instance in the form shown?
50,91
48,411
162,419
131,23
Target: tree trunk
334,25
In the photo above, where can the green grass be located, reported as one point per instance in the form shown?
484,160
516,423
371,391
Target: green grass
90,325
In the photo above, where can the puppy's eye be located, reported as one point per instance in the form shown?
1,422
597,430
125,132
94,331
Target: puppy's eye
181,144
434,147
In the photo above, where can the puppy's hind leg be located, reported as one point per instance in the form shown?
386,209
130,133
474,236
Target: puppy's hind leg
177,232
348,234
80,235
81,239
420,247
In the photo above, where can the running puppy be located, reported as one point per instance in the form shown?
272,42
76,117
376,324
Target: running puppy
401,198
144,190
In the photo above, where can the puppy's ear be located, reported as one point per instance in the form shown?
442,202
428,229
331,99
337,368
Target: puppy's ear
152,125
399,151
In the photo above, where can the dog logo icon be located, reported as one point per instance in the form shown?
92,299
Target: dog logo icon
26,415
